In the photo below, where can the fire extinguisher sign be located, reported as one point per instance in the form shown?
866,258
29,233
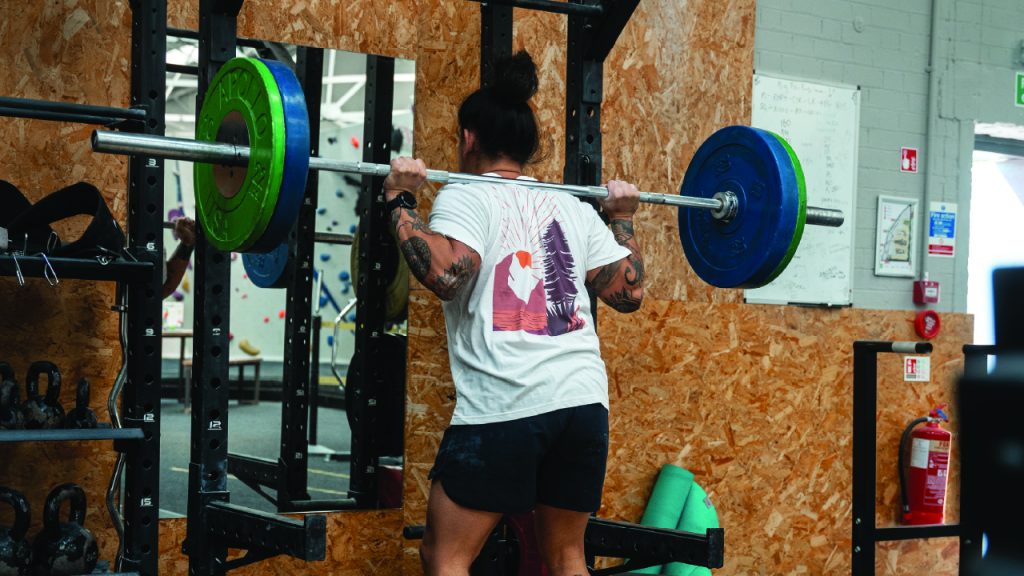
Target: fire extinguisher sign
917,369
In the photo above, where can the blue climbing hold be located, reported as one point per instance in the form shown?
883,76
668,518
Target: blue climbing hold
330,340
343,276
352,229
321,211
325,257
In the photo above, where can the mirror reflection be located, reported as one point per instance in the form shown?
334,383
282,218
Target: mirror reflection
257,326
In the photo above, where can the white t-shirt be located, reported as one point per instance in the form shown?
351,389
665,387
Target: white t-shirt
521,335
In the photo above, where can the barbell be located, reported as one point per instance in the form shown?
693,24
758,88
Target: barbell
742,203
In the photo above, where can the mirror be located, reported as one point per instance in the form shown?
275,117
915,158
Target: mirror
257,327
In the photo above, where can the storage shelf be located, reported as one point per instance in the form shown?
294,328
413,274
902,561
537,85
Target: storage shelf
75,268
63,435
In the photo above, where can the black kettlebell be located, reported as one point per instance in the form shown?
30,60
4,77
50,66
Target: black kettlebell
10,411
15,553
42,412
81,416
64,548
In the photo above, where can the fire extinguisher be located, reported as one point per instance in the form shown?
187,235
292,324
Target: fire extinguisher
923,478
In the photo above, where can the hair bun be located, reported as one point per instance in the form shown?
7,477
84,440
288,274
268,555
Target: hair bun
515,78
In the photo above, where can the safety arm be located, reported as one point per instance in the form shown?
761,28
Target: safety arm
440,263
620,284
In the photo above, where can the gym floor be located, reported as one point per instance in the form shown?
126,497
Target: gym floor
254,431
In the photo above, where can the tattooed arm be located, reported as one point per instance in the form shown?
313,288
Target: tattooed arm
620,284
444,265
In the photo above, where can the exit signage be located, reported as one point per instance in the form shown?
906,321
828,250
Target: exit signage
1019,97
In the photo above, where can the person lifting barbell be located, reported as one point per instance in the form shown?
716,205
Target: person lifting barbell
175,266
512,266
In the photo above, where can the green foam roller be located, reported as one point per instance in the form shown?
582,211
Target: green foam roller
666,503
698,515
802,215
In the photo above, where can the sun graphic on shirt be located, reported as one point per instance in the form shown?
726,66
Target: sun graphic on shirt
521,228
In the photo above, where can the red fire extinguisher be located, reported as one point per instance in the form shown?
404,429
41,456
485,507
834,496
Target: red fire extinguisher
924,468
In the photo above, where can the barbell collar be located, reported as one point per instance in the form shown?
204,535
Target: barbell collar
232,155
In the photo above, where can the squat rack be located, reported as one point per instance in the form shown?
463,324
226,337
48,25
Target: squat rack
136,436
594,26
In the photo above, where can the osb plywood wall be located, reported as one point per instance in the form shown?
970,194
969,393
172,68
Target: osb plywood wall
76,51
754,399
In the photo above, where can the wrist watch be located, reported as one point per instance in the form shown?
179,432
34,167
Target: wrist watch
404,200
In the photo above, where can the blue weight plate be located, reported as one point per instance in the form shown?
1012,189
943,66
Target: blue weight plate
268,270
744,251
296,159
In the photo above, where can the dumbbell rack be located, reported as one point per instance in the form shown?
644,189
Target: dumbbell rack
139,440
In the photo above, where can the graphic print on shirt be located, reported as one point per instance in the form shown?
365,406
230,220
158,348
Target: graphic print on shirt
535,284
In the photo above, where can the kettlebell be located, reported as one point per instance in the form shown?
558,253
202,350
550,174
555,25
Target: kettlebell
81,416
42,412
15,553
10,411
64,548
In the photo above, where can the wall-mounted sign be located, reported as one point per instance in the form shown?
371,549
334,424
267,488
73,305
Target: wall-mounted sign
908,160
897,225
942,229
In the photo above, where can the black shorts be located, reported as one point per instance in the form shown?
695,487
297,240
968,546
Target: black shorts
557,459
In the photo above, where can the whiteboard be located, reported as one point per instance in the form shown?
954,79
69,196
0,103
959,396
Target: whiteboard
821,122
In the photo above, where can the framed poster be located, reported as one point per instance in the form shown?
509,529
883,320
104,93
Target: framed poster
896,247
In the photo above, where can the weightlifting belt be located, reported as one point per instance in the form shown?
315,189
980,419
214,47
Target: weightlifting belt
101,238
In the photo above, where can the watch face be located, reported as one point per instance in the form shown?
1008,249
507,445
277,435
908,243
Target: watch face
407,200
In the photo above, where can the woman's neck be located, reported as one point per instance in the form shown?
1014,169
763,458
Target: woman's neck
502,167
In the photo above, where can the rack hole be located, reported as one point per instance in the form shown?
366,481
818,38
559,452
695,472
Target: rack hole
215,383
215,351
214,444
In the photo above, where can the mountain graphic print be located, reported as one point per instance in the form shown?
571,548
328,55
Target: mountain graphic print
535,286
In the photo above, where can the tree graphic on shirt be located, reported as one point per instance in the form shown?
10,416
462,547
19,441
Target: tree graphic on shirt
560,282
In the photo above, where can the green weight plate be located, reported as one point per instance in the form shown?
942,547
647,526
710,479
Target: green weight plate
242,106
801,216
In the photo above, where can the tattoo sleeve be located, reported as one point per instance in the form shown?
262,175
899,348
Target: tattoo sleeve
620,284
443,265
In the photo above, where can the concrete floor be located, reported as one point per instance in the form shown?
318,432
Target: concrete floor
254,430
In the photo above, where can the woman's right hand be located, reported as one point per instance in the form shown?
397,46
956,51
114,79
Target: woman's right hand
622,201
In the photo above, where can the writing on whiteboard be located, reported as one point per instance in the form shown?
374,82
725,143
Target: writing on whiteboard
820,122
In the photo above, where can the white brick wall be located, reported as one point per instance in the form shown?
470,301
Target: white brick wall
883,47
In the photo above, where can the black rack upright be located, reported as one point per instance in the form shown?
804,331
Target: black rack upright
214,525
141,400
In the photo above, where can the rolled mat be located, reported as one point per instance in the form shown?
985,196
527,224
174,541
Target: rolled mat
698,515
666,503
